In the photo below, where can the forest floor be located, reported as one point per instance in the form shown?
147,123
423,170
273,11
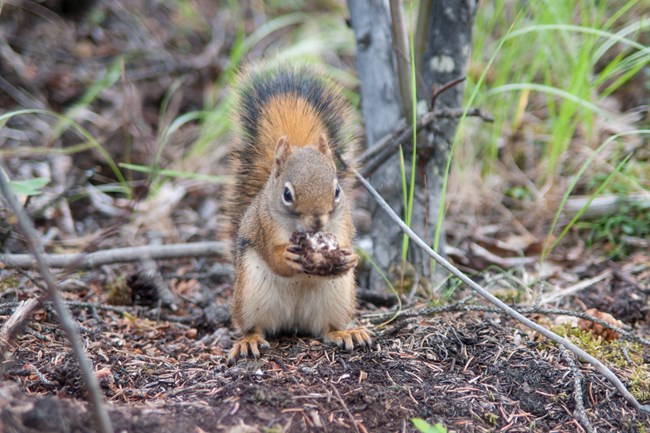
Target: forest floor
166,372
158,334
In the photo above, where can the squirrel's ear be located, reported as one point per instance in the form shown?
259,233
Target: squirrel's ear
323,146
282,151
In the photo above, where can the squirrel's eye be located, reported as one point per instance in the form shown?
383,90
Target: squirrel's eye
287,195
337,193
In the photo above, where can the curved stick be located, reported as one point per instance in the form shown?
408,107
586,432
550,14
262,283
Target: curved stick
609,375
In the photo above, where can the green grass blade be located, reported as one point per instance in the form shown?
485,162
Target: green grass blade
634,27
402,170
552,91
174,173
414,101
573,184
600,189
577,29
90,140
42,150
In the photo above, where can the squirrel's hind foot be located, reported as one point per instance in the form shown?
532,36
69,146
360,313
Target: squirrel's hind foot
248,345
349,339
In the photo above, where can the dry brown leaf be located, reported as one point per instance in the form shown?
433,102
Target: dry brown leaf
598,329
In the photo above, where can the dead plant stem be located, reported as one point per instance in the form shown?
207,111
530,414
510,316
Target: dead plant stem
579,412
69,325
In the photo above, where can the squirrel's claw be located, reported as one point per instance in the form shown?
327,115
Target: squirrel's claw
294,261
249,345
350,339
295,249
299,262
350,260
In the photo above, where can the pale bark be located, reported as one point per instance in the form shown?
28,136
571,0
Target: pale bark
446,51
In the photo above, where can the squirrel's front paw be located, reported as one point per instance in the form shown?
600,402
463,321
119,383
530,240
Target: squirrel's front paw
348,260
294,258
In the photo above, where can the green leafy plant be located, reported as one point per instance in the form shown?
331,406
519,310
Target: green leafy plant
64,122
28,187
425,427
632,220
549,244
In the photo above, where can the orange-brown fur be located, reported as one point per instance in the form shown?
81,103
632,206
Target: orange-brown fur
288,116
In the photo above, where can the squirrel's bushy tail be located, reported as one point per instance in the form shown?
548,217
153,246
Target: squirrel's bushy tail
276,101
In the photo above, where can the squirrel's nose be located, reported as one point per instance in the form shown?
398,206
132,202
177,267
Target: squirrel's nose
317,222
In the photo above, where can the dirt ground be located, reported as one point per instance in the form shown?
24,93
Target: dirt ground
159,349
166,372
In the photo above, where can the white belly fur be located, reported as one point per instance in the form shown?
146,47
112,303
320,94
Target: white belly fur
303,303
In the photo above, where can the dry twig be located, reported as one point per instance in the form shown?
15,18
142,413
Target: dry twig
346,409
14,324
118,255
373,157
65,317
577,393
462,306
613,379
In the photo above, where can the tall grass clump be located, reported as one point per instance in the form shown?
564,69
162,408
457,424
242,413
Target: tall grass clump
554,62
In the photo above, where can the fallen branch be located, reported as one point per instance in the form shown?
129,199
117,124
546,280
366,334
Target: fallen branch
69,325
463,306
609,375
376,298
14,325
118,255
603,205
152,314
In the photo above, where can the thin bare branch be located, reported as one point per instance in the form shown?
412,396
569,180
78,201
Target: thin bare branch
579,412
377,154
118,255
609,375
69,325
437,91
